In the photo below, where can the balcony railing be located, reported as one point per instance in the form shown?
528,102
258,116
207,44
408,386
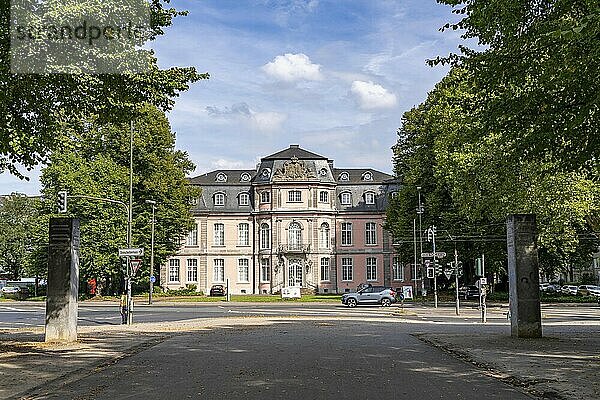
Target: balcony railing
294,248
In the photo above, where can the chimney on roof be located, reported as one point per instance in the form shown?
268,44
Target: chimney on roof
294,146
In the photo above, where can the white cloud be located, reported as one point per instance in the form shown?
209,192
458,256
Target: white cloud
370,95
293,67
223,163
268,121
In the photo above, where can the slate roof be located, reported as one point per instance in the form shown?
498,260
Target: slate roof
355,175
233,177
294,151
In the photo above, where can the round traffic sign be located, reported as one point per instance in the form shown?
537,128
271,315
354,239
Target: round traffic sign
152,279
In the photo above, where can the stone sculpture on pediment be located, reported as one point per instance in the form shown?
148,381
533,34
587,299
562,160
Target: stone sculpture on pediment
293,170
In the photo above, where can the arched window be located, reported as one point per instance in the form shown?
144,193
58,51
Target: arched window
295,236
346,198
324,236
244,199
219,199
369,198
265,236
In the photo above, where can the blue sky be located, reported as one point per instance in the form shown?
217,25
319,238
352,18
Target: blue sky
332,76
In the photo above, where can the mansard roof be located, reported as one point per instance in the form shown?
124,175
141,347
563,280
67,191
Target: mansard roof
294,151
233,177
357,175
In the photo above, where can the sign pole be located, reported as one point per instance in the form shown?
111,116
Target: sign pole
435,293
483,310
456,280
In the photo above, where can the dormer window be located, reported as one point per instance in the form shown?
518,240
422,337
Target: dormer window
219,199
367,176
244,199
245,177
346,198
221,177
394,194
323,172
344,177
265,173
369,198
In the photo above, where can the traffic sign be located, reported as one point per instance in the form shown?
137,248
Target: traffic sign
152,279
448,273
135,265
438,254
131,252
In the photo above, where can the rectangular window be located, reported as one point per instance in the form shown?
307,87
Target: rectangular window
265,270
397,270
219,270
324,197
243,270
346,198
371,233
347,269
192,270
265,197
371,269
294,196
244,199
369,198
173,270
219,239
324,269
243,234
219,199
346,233
192,239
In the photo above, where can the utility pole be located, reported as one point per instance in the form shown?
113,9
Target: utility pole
483,308
129,223
431,236
415,265
151,278
456,279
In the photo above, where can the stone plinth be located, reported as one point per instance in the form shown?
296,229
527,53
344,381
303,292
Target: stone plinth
63,280
523,276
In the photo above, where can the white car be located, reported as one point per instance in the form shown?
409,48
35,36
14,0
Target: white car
569,289
594,291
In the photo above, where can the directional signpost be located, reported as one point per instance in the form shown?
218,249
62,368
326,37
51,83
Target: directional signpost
131,252
437,254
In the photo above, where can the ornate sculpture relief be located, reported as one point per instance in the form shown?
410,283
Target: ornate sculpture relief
293,170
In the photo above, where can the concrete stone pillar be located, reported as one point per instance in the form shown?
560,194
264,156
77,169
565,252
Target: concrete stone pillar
523,276
63,280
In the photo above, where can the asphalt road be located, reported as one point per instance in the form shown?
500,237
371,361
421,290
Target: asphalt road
15,315
290,360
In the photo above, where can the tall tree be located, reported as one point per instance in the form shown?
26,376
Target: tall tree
35,108
97,165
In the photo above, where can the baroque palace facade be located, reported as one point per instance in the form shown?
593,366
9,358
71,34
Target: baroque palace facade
293,221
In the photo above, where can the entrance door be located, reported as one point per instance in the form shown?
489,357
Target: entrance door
295,274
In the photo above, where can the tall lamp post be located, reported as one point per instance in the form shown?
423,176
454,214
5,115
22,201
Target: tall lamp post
151,278
420,210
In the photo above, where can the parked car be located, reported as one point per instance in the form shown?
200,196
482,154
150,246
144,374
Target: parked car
217,290
468,292
584,290
549,287
15,292
594,291
569,289
370,295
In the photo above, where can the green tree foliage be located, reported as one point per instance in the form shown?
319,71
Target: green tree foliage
19,221
35,108
96,164
514,127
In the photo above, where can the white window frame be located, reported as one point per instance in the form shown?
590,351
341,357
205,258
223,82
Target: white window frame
219,234
219,270
369,198
371,269
397,270
323,196
295,235
265,270
346,198
244,234
371,234
265,236
347,269
243,270
219,199
346,232
324,233
192,268
174,266
265,197
295,196
244,199
325,265
192,238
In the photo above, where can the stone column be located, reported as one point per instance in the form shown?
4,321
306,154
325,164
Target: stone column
63,280
523,276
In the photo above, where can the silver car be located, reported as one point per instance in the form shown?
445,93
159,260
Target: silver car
370,295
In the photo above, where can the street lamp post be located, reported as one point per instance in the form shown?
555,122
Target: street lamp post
420,210
153,203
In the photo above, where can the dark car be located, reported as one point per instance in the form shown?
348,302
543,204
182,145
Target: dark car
217,290
468,292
